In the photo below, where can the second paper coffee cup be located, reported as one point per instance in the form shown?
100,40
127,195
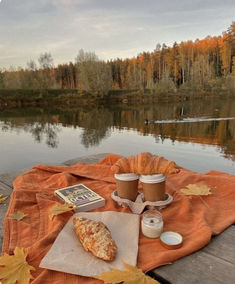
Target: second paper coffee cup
153,187
127,185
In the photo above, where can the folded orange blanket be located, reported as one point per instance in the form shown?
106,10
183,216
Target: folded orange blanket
196,218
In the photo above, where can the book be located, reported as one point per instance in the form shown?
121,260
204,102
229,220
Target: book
81,196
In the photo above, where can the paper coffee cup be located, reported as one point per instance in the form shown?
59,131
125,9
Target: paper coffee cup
127,185
154,187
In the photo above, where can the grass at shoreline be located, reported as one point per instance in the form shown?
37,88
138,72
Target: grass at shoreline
19,97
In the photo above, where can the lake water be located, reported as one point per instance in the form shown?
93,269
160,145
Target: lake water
29,136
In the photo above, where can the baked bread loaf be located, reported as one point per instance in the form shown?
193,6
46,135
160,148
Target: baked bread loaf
96,238
145,164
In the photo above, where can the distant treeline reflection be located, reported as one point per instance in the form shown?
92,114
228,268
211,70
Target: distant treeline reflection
97,122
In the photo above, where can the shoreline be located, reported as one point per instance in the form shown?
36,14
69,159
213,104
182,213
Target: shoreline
24,98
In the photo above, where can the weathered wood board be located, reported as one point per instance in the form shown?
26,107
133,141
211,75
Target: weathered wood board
6,187
213,264
86,160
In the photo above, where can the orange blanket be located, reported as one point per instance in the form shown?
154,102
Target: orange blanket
196,218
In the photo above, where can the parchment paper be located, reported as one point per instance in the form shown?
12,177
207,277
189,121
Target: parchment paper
68,255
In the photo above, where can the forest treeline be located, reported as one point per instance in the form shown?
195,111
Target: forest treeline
201,65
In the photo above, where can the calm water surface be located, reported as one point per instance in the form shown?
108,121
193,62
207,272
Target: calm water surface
29,136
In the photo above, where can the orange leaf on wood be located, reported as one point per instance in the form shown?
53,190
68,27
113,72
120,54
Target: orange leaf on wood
2,198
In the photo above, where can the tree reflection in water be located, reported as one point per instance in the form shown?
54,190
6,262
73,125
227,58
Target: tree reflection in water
41,127
49,130
97,122
96,126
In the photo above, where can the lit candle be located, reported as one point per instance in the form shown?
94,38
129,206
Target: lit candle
152,224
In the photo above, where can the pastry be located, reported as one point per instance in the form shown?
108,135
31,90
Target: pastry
96,238
145,164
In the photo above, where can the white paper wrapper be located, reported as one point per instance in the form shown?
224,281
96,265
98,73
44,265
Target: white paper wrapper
68,255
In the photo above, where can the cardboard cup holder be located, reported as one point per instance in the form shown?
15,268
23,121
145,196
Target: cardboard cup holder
139,204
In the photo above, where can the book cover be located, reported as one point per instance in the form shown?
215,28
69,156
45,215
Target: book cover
81,196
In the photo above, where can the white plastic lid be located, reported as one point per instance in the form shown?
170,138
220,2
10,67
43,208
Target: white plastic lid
171,238
126,177
152,178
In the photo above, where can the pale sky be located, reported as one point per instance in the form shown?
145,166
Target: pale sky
111,28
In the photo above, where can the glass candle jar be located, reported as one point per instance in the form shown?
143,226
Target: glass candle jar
152,224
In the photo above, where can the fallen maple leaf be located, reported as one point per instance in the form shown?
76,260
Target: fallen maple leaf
2,198
130,275
60,209
17,216
194,189
15,268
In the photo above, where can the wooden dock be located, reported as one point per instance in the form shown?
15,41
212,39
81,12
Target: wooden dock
213,264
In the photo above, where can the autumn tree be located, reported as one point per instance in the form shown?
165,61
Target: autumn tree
94,75
166,84
32,74
1,79
202,73
65,76
173,63
233,66
228,49
116,74
45,72
11,79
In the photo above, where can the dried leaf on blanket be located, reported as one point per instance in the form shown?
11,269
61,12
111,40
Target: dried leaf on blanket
195,189
60,209
14,268
17,216
131,274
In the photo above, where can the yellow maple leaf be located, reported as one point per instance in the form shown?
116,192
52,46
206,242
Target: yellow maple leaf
130,275
194,189
2,198
17,216
60,209
15,268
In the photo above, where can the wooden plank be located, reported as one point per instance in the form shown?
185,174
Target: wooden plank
8,178
202,268
213,264
223,245
86,159
5,190
4,186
